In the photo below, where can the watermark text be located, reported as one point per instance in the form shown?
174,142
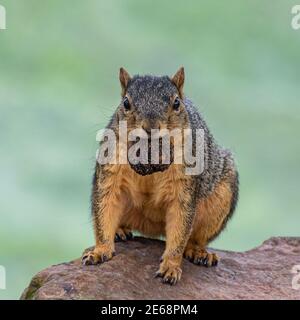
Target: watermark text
296,278
160,147
2,278
295,23
2,18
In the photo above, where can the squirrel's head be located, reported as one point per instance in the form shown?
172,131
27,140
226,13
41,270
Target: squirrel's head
152,102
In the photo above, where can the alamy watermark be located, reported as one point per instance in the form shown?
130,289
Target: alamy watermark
2,278
296,278
2,18
295,23
161,147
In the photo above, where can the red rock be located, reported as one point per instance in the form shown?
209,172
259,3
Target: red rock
262,273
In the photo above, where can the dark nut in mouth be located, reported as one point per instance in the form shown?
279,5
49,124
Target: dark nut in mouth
145,166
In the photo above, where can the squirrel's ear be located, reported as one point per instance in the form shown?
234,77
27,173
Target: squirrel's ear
178,80
124,79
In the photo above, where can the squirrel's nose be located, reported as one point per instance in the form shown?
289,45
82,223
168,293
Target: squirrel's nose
147,129
148,125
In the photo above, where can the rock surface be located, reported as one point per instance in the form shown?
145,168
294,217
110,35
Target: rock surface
261,273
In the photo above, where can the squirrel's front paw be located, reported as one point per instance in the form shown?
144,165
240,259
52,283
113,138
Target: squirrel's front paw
169,270
98,255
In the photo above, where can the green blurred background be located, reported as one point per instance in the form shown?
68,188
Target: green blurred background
59,63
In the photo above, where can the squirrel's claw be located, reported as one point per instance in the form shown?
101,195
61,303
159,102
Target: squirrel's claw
95,256
169,275
201,257
123,234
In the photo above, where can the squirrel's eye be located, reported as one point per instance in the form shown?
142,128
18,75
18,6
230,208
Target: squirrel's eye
176,104
126,104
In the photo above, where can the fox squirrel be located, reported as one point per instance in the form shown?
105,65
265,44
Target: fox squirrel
189,210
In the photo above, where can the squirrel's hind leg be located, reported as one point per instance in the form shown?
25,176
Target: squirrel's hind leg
211,216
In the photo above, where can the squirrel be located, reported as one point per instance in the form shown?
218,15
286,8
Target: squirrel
188,210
